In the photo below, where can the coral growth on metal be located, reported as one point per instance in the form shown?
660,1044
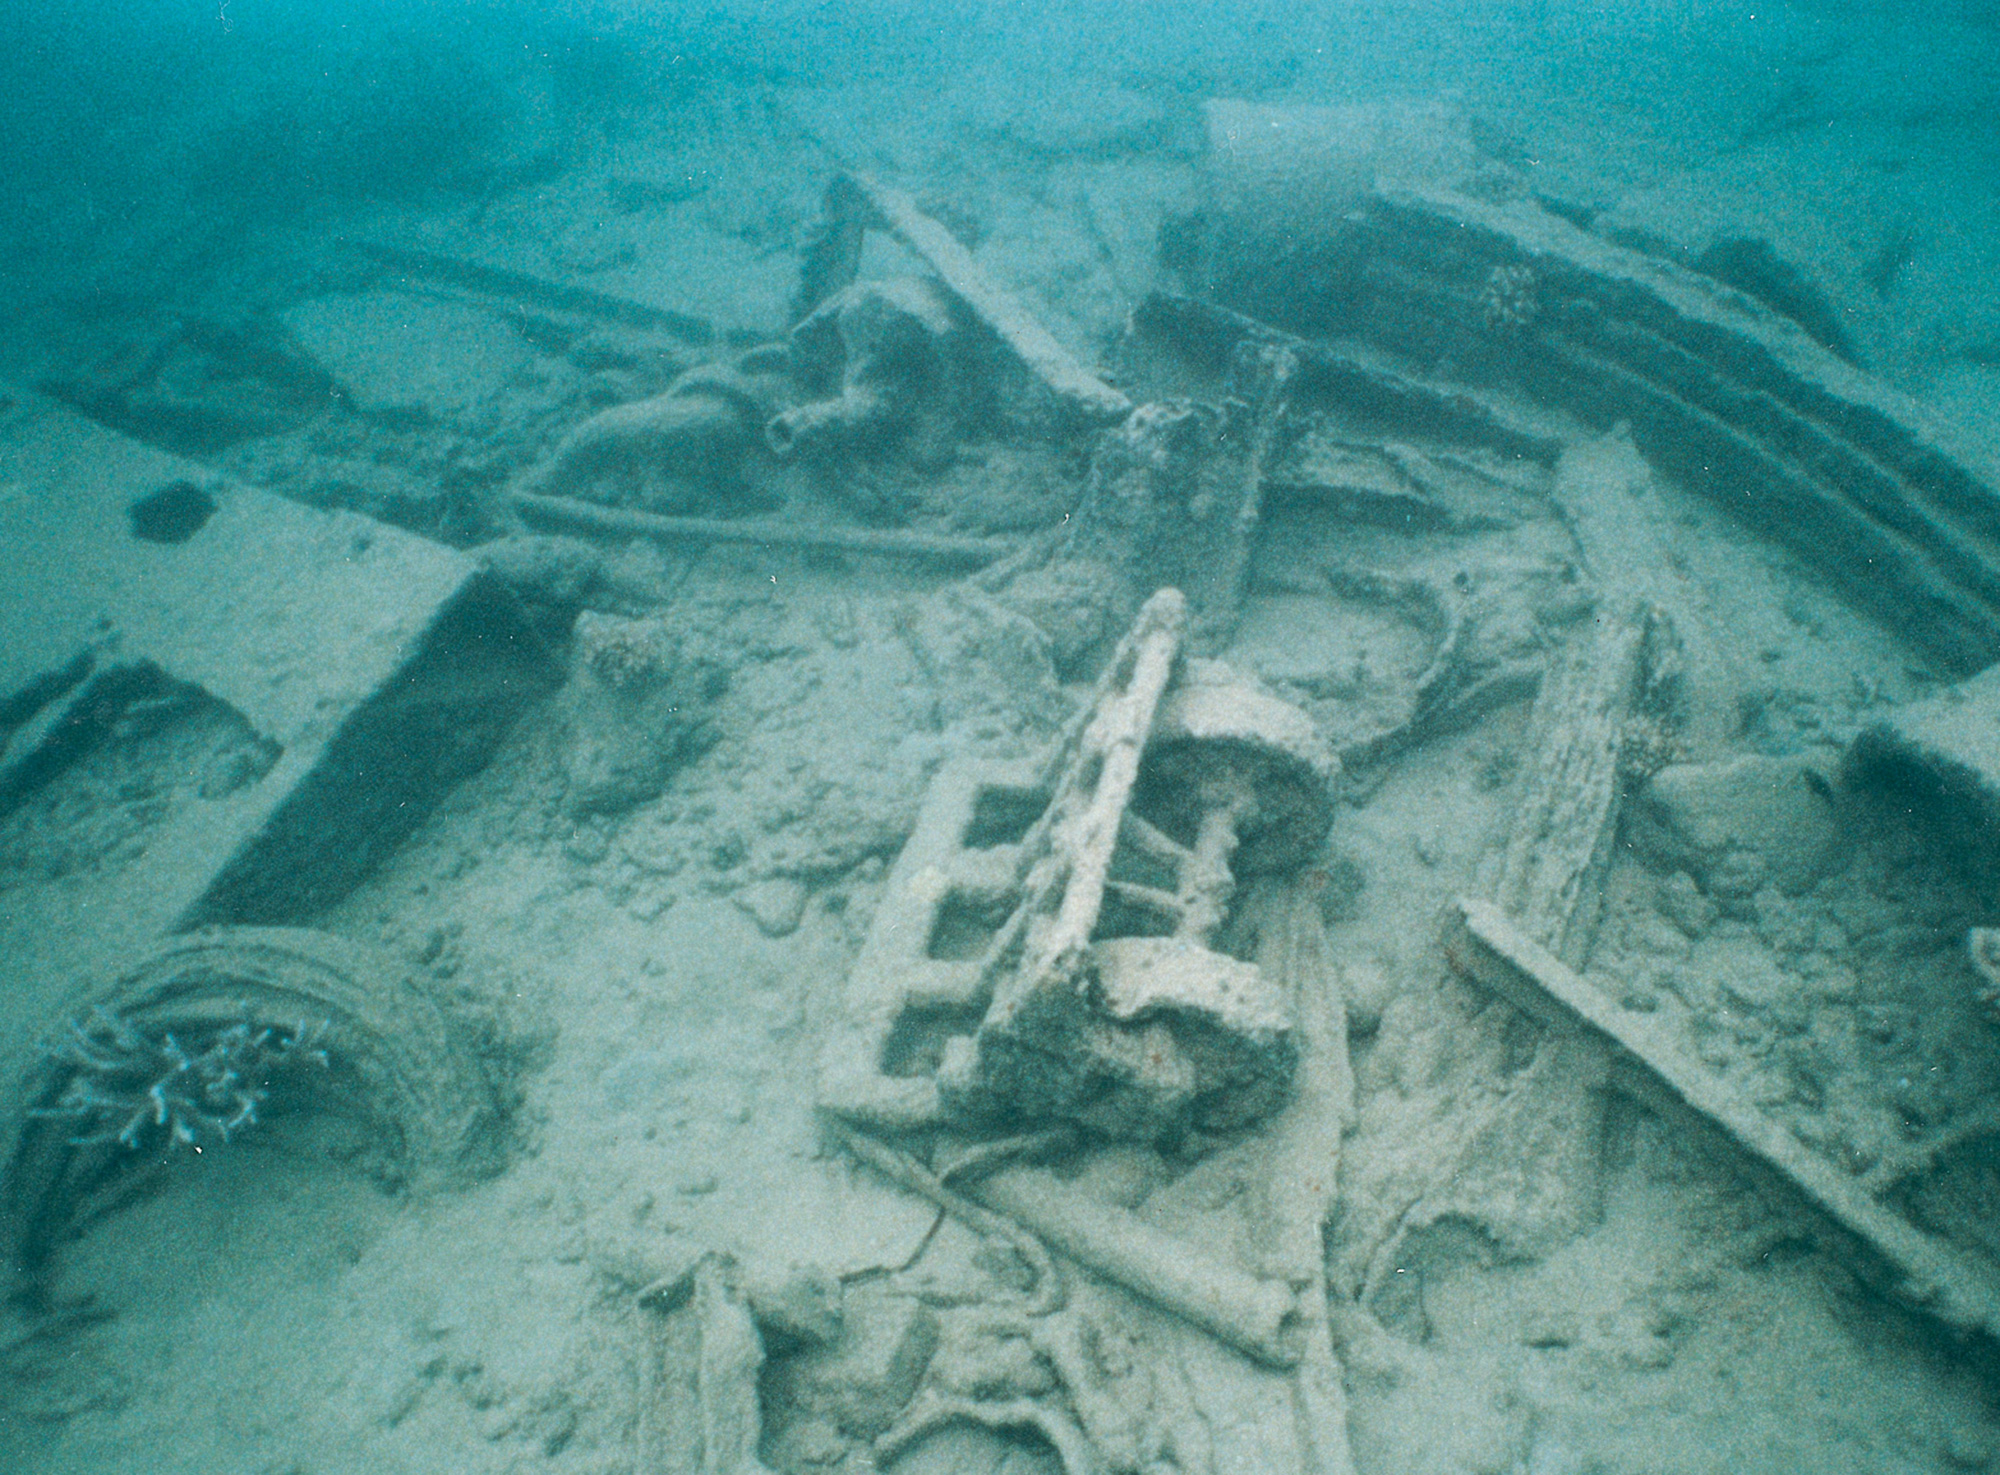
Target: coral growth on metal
136,1088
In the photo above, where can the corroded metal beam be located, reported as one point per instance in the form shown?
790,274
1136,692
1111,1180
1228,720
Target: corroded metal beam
1650,1063
1893,504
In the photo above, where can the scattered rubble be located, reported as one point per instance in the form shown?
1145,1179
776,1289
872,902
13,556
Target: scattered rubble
1742,824
1924,1268
1095,1013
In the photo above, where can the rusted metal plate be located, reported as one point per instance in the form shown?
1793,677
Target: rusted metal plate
246,699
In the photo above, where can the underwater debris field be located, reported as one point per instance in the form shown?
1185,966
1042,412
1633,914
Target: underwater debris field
934,771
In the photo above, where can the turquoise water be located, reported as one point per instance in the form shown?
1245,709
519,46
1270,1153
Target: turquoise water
553,498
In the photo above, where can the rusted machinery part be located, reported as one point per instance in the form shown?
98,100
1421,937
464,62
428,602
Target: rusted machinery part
700,424
1451,692
1025,1206
702,1356
1944,752
1211,341
1255,1315
938,548
883,348
1217,740
903,1170
850,414
932,1411
941,866
1066,854
831,256
1549,876
1243,788
392,1057
636,432
856,197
